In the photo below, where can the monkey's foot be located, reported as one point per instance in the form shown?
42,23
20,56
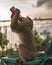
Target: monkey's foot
19,60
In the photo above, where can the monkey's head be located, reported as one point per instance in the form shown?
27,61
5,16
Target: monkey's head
17,11
28,22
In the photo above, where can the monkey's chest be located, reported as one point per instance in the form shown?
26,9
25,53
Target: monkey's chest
25,39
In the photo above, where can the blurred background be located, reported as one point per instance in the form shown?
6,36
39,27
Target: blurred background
40,11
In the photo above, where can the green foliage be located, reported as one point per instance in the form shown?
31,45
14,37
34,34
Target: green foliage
16,46
38,39
10,51
0,38
46,33
2,46
40,42
5,41
47,36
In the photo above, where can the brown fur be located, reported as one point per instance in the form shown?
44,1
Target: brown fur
2,63
27,48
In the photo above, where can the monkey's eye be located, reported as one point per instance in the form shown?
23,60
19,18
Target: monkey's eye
30,26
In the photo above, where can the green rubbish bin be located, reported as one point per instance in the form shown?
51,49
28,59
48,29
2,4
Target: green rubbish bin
12,61
41,53
36,61
8,61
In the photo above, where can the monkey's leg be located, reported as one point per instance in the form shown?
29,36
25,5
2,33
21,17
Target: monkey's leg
26,54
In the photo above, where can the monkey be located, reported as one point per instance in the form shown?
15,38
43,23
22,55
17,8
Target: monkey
27,49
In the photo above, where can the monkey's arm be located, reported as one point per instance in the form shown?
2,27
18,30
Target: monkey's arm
15,25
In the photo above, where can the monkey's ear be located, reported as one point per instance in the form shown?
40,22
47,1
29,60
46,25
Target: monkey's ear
30,23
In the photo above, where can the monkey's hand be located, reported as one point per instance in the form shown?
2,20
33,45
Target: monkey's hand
15,16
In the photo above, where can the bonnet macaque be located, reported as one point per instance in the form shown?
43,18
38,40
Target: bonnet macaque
23,27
